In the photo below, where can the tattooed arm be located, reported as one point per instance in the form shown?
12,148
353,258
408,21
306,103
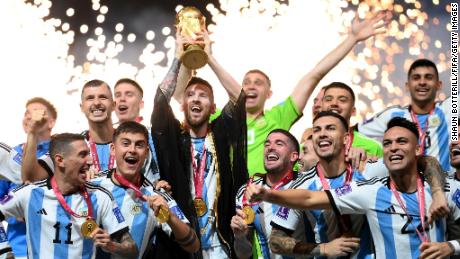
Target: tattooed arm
168,85
121,245
282,243
436,179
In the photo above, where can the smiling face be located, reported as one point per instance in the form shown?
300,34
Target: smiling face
423,85
329,137
198,105
308,157
75,162
130,151
455,155
279,154
400,149
257,90
340,101
128,102
97,103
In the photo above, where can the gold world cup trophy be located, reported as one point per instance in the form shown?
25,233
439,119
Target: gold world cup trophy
191,21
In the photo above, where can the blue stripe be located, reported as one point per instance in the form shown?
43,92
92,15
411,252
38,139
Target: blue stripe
443,141
440,228
262,238
412,208
383,200
34,220
61,249
103,153
139,224
88,244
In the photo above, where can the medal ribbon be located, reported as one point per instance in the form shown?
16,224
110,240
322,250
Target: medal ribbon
421,206
349,143
95,156
286,179
129,185
421,132
66,207
198,173
345,221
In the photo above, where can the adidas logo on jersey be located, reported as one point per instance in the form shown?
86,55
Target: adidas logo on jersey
42,211
390,210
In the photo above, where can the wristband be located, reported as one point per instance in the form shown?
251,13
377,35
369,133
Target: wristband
455,245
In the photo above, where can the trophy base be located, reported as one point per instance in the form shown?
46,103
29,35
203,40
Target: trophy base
194,57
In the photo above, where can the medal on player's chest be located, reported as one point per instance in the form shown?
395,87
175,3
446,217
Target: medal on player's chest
200,207
88,227
163,212
198,177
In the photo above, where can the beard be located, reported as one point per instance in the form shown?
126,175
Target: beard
196,122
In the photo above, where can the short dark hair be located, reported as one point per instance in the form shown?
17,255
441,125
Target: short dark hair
60,143
332,114
201,81
131,127
95,83
341,86
422,63
131,82
50,107
292,139
262,73
403,123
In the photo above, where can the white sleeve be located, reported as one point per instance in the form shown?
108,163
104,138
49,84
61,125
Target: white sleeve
110,214
376,126
375,169
174,208
287,218
12,204
353,198
453,197
5,249
10,167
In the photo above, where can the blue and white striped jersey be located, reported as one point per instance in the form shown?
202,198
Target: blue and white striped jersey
438,133
392,232
264,213
323,224
5,249
138,215
51,231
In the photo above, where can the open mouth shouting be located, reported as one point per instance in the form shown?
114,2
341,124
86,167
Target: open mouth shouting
131,161
122,108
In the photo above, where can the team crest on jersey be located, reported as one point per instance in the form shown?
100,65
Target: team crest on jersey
178,212
6,198
434,121
283,213
343,190
83,212
456,198
118,214
136,208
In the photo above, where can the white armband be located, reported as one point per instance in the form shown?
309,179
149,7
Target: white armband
454,244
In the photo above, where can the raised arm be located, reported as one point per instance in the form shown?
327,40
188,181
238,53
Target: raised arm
31,170
232,87
185,74
168,85
291,198
436,179
359,31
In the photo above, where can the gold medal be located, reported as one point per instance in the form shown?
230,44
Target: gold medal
250,215
163,214
88,227
200,207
